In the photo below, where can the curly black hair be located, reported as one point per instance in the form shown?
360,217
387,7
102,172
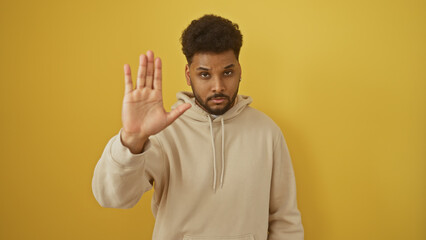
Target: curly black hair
211,33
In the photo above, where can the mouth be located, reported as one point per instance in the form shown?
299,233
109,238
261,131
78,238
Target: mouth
218,100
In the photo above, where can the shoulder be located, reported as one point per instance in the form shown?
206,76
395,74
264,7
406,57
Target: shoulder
260,122
260,118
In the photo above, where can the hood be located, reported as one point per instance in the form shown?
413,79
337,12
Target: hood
196,113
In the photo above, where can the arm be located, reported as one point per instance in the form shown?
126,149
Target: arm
121,177
132,160
284,217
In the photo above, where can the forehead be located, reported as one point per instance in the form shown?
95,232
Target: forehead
213,60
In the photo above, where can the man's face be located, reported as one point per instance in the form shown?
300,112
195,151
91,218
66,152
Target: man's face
214,79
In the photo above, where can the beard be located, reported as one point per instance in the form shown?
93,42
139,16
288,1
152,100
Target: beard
218,111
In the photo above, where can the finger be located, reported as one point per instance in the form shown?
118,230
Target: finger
149,69
177,112
158,74
128,84
140,83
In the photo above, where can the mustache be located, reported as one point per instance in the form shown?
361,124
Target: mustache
218,95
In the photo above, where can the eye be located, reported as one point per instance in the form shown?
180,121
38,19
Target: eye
227,73
204,74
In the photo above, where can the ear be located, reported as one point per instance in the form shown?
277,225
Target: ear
188,79
241,70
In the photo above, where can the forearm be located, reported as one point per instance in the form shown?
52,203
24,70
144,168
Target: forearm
288,226
284,216
119,182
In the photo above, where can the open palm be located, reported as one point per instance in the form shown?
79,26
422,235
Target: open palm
143,112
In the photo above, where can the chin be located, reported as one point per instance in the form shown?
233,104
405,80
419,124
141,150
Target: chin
218,111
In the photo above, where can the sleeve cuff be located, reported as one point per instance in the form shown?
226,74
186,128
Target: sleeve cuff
121,155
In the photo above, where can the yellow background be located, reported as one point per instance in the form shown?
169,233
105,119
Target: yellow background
345,80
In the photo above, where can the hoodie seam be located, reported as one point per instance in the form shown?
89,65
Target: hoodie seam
276,142
274,157
163,172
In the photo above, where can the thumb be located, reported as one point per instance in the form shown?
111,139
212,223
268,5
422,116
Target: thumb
175,113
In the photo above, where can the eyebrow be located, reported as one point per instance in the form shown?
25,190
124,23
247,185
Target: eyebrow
229,66
206,69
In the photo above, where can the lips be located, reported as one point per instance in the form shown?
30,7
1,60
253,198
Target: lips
218,100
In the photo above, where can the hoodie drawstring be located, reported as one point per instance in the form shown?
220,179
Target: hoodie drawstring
223,153
214,153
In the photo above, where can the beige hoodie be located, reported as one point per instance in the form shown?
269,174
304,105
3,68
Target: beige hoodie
228,178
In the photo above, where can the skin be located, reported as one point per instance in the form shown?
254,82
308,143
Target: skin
143,112
211,76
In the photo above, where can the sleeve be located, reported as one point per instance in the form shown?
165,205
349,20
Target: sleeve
285,221
121,177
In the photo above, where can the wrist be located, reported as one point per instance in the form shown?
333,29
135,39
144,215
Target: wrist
129,136
134,142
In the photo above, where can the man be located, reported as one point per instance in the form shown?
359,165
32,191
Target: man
221,169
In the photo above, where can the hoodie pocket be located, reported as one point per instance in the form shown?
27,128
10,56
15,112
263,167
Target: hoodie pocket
239,237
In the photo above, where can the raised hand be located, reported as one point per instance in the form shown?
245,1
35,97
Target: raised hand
143,113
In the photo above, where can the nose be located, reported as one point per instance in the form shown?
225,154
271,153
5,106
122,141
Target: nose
218,84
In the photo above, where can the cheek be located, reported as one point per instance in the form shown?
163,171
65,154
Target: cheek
234,85
200,90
